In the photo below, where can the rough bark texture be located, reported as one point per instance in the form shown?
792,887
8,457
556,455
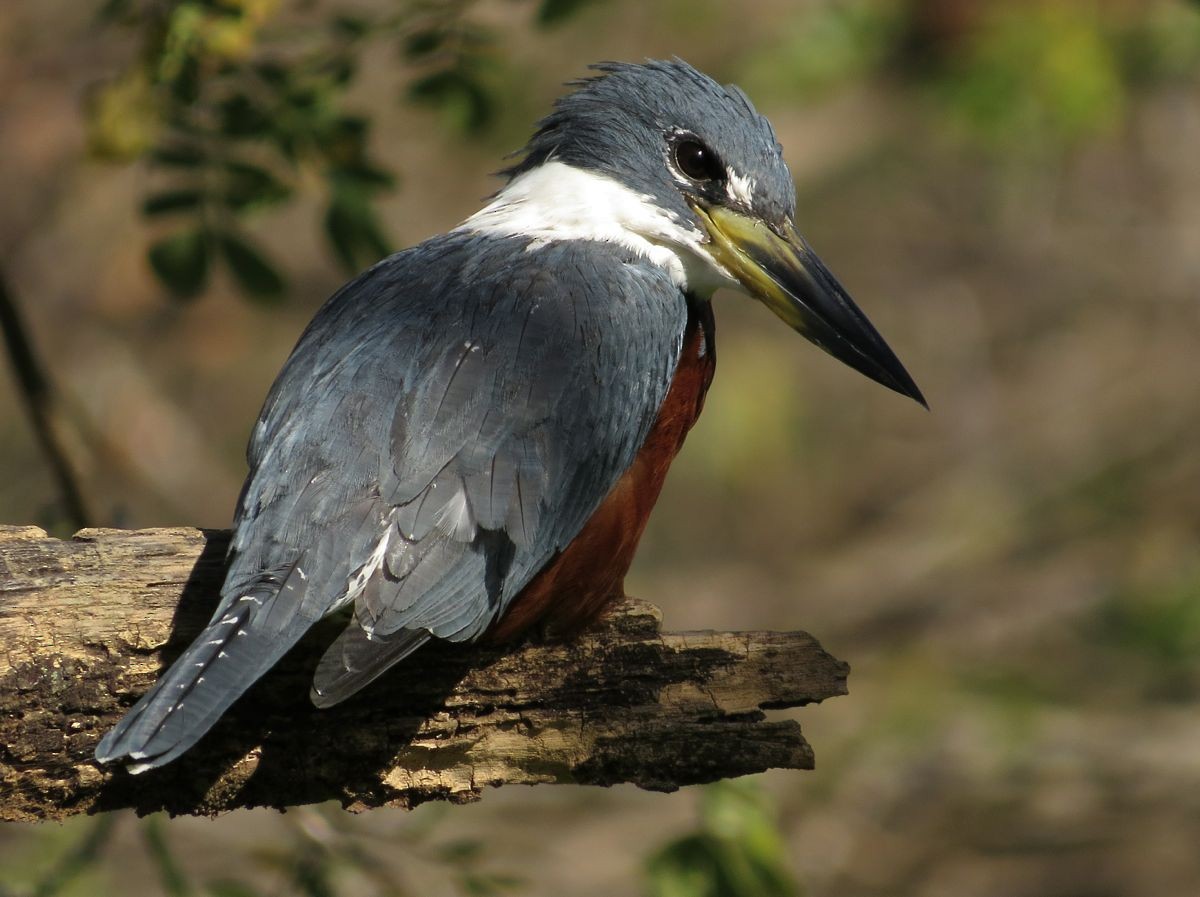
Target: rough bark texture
87,624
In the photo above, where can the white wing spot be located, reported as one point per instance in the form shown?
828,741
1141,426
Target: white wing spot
358,580
455,518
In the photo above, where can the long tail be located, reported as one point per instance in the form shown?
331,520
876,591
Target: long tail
246,638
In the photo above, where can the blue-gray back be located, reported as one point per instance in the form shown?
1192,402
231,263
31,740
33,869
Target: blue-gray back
471,401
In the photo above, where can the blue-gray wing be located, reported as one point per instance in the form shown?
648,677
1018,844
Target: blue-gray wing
447,423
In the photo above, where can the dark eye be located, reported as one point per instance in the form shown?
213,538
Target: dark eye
697,161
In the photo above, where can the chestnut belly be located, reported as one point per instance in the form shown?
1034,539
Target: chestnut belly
589,574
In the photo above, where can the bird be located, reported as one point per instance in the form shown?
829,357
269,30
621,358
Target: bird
468,438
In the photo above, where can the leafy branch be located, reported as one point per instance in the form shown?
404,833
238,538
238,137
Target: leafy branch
235,104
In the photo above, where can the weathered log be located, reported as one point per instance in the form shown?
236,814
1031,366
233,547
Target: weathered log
87,624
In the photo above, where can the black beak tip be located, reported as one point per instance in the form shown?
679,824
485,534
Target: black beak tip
914,392
898,380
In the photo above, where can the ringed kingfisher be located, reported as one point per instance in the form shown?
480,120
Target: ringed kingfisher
468,438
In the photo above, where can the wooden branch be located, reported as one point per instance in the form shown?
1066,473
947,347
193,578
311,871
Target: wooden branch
87,624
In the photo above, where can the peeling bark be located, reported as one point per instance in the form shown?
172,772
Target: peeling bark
87,624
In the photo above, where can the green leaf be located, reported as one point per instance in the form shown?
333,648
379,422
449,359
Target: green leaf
181,262
353,231
341,229
343,141
422,43
185,82
362,174
253,272
305,100
350,27
374,239
242,117
341,69
458,94
1044,77
178,156
273,73
736,852
172,201
249,185
553,12
350,128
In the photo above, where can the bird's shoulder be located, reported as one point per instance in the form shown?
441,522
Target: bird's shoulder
522,301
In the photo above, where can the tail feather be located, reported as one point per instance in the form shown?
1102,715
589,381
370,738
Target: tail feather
216,669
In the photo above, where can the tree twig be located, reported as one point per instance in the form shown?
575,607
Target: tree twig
36,393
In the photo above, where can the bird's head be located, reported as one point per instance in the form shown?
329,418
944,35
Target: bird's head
660,152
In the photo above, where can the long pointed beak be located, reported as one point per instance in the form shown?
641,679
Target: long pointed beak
784,273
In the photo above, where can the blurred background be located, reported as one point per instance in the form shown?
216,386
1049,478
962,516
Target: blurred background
1011,190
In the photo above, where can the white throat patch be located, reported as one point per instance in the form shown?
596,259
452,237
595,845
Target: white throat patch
556,201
